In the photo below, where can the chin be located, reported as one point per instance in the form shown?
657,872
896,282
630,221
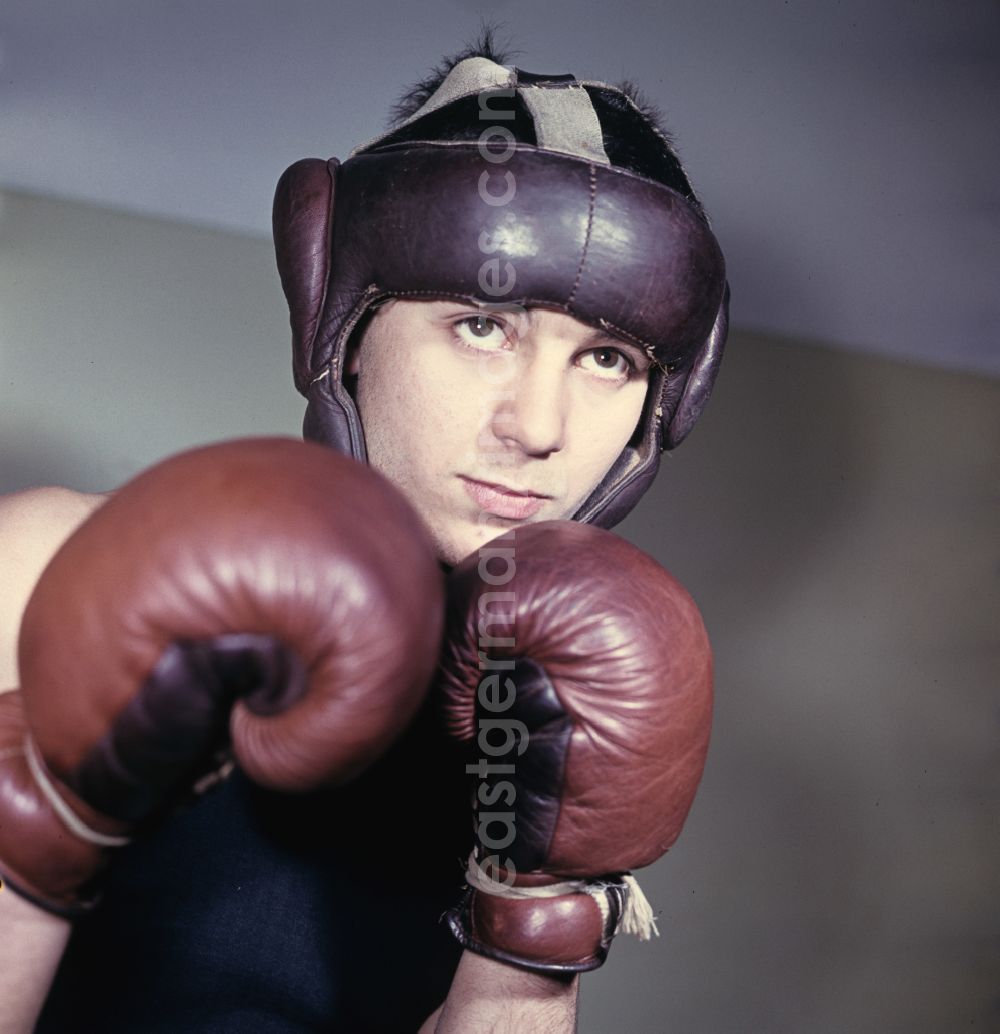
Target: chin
464,542
455,543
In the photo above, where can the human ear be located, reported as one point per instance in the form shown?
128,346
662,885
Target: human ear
352,361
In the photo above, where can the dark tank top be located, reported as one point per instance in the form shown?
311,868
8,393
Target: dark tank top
254,912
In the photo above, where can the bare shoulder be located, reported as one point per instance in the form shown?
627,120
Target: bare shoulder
33,525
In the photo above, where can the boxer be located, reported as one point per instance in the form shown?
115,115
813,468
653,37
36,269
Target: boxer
509,305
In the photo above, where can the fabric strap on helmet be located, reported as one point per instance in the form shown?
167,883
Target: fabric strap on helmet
560,107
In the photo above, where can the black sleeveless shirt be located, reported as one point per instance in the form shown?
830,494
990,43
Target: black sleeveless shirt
262,913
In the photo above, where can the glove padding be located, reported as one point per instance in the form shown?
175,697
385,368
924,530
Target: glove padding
264,599
578,672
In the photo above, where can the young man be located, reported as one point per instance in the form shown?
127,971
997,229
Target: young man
508,305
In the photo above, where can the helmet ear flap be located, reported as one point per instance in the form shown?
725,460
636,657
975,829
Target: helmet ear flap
302,221
678,422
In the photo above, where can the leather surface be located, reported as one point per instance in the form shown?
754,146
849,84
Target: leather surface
37,858
607,247
176,726
566,933
301,221
267,595
534,782
626,653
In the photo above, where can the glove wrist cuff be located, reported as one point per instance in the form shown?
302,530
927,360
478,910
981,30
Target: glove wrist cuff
41,857
565,934
540,923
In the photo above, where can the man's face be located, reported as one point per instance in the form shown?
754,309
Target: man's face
487,418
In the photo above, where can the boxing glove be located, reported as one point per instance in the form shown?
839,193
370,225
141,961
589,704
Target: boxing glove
578,675
265,601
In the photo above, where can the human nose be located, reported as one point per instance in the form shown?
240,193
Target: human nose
531,416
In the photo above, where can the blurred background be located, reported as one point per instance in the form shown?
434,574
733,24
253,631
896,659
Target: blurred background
834,514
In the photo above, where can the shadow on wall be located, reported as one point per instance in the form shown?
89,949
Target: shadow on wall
833,518
741,514
766,478
31,457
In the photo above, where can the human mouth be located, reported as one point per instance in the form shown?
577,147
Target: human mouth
502,501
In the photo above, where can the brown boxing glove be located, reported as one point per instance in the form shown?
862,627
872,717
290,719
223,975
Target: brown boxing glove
578,673
267,600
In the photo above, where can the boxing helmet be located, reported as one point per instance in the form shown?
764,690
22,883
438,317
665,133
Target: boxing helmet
499,220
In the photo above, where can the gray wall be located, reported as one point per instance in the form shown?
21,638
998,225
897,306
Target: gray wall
835,517
124,339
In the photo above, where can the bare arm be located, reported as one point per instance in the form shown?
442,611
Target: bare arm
488,997
32,527
32,945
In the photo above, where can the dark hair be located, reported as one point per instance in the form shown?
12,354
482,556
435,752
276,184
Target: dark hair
634,135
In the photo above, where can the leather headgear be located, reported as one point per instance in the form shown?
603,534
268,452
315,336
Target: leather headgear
406,217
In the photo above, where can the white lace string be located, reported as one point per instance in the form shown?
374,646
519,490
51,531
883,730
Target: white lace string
70,819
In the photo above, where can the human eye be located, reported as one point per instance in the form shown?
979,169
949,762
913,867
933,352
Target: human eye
482,331
609,363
